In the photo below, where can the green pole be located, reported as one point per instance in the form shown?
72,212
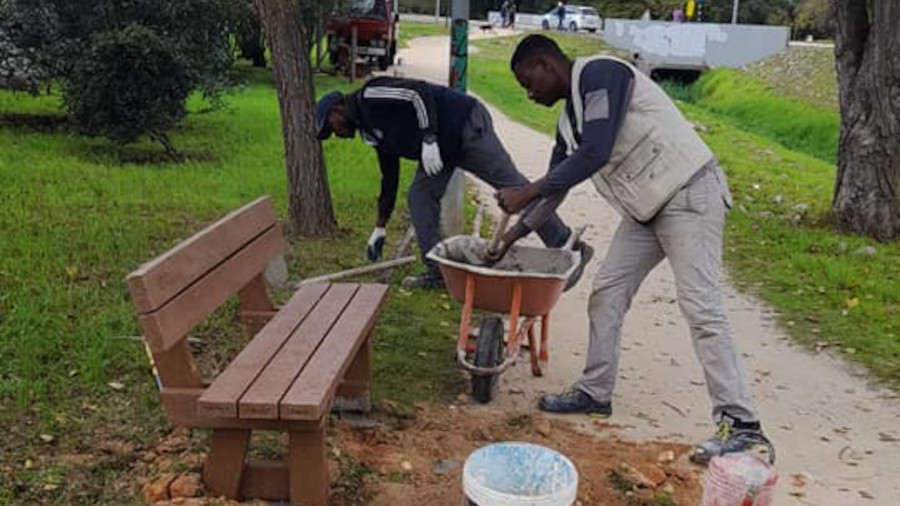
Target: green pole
459,45
453,203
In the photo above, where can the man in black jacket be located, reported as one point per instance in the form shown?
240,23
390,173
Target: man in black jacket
440,128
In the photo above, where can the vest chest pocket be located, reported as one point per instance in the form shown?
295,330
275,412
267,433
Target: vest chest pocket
637,164
641,182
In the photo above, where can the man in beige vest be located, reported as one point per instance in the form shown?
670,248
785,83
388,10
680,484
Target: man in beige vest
619,129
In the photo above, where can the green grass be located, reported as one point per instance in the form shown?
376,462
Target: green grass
80,214
410,30
794,260
754,107
791,258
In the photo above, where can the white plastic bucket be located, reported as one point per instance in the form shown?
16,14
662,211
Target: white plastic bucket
738,479
519,474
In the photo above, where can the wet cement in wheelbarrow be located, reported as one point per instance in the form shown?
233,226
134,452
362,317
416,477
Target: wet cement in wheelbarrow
519,259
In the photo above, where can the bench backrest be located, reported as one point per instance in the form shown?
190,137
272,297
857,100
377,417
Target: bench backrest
180,288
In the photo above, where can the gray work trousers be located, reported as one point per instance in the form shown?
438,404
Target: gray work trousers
483,155
687,231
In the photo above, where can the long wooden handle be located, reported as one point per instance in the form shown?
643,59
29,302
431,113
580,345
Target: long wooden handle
498,233
397,262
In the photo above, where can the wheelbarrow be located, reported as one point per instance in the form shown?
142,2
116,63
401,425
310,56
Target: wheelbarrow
525,284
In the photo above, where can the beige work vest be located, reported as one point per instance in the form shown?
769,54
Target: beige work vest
656,152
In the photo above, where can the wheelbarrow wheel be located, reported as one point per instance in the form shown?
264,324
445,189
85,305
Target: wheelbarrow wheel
488,353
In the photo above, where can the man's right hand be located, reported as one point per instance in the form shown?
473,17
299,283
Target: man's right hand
431,156
515,198
375,244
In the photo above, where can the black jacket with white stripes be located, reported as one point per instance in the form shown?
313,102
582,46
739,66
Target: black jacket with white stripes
394,115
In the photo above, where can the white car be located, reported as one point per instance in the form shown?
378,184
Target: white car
578,17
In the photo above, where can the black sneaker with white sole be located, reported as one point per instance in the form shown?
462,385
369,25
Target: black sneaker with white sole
574,401
429,280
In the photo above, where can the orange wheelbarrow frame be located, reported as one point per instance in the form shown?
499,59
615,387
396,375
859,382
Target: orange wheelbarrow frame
517,333
525,297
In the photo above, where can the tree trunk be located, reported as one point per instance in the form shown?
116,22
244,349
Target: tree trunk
867,190
309,206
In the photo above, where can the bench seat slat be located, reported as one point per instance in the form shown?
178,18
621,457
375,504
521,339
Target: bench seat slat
156,282
310,395
180,406
177,317
220,399
260,401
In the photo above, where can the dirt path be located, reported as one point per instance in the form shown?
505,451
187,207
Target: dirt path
828,424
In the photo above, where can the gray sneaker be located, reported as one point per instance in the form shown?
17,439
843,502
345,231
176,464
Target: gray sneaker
733,436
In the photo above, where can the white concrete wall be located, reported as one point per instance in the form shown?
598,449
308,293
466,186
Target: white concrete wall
700,44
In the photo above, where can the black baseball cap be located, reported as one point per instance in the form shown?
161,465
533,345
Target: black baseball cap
323,108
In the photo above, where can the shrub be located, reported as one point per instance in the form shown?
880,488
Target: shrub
125,66
129,82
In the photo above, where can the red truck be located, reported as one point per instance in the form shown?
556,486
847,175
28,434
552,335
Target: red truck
376,23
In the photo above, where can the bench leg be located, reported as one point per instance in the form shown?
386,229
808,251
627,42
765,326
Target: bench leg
256,308
176,366
225,462
354,392
308,467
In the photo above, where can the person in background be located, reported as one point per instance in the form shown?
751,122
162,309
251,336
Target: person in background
440,128
561,15
512,15
620,129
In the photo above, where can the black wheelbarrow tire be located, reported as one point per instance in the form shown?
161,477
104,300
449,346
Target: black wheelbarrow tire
488,353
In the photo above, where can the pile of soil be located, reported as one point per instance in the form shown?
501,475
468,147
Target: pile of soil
422,463
417,459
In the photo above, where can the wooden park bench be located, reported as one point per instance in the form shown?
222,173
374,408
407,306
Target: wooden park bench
314,348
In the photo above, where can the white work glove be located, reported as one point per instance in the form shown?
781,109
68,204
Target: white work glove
431,156
375,244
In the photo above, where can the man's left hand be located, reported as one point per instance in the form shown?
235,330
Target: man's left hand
375,244
509,238
514,199
492,257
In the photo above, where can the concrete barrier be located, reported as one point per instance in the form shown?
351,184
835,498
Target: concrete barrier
698,45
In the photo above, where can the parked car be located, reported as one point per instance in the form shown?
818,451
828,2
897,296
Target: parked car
578,17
